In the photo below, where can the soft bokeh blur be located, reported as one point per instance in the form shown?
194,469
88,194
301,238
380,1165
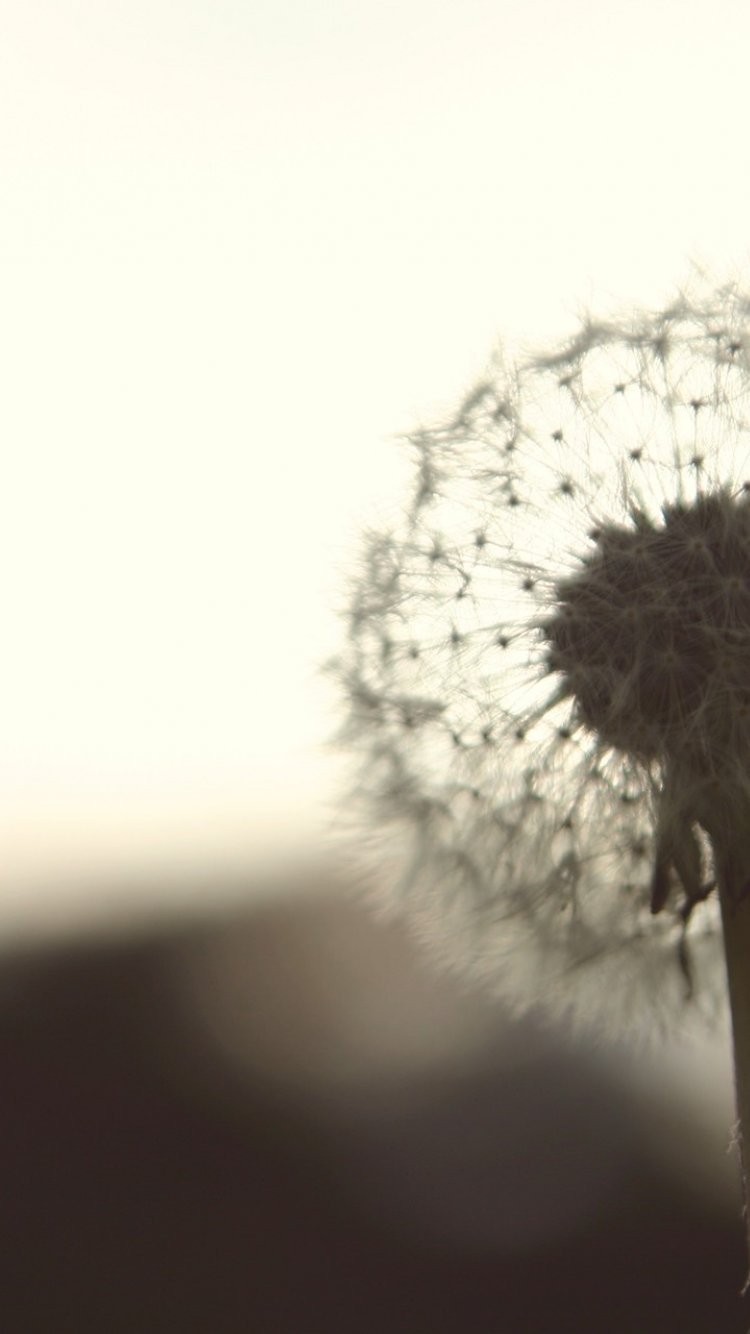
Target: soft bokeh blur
280,1118
243,245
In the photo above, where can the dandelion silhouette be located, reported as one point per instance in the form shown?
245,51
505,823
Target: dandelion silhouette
547,674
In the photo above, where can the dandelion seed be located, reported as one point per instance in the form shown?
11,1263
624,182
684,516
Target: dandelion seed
596,670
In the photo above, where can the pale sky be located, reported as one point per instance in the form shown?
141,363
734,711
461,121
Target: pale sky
242,246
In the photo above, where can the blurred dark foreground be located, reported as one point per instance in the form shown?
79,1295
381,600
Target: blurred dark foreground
280,1121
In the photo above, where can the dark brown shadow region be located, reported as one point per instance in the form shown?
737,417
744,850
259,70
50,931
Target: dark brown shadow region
153,1182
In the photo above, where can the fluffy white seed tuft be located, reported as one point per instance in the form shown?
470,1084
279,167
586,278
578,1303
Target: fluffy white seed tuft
550,658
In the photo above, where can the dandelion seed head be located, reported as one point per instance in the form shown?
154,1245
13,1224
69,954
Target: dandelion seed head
566,608
652,634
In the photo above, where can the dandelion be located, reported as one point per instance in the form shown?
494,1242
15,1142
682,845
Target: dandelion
547,673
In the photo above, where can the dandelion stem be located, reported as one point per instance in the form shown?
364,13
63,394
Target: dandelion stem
733,877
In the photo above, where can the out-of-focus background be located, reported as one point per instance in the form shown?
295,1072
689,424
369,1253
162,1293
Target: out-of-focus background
281,1119
242,246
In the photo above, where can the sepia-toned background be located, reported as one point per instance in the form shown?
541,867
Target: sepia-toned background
242,247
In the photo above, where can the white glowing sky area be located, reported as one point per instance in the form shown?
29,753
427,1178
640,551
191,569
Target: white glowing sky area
243,245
